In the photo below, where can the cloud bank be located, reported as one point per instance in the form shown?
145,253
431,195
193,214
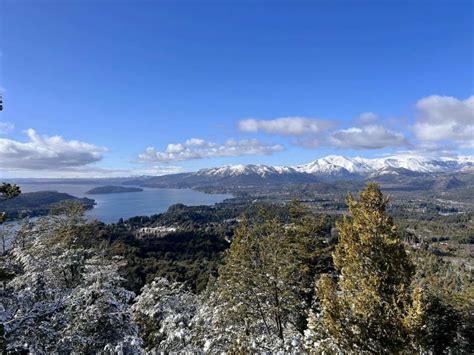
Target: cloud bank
314,133
365,137
368,137
285,126
445,118
47,153
200,149
440,122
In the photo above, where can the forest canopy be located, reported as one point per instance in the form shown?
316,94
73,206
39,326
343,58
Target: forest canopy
269,279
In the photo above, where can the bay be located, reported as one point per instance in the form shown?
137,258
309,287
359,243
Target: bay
110,208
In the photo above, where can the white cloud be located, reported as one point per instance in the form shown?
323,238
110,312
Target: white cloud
445,118
174,148
285,126
189,150
196,141
368,137
6,127
47,153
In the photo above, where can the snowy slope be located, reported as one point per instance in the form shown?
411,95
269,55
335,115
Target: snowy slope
333,165
238,170
341,166
331,168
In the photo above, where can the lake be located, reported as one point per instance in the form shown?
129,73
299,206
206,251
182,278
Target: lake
111,207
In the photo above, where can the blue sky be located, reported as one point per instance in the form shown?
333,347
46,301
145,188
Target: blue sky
96,83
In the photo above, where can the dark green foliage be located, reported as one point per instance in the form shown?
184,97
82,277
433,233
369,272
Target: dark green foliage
188,256
194,252
110,189
457,227
33,204
7,192
440,326
444,305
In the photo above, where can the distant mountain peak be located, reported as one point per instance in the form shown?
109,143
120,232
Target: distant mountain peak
340,165
236,170
331,168
334,165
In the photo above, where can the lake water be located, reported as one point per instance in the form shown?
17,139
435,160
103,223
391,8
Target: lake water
111,207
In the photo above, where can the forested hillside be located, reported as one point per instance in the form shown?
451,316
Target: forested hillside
244,279
40,203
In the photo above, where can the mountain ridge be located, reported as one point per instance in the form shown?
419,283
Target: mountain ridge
338,165
330,168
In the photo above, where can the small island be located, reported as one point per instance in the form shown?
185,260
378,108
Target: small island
109,189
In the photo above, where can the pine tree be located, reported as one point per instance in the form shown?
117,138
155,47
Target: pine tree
363,310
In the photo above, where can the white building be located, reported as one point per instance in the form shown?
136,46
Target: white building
159,231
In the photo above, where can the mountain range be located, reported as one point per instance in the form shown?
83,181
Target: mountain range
329,168
399,164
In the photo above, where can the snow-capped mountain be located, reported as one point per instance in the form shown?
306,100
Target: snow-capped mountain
236,170
422,164
330,168
335,165
340,165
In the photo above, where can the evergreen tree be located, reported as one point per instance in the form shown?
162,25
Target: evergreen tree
263,286
7,191
164,312
433,324
64,296
363,310
441,318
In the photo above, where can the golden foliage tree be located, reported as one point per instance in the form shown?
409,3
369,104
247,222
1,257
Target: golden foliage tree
363,310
